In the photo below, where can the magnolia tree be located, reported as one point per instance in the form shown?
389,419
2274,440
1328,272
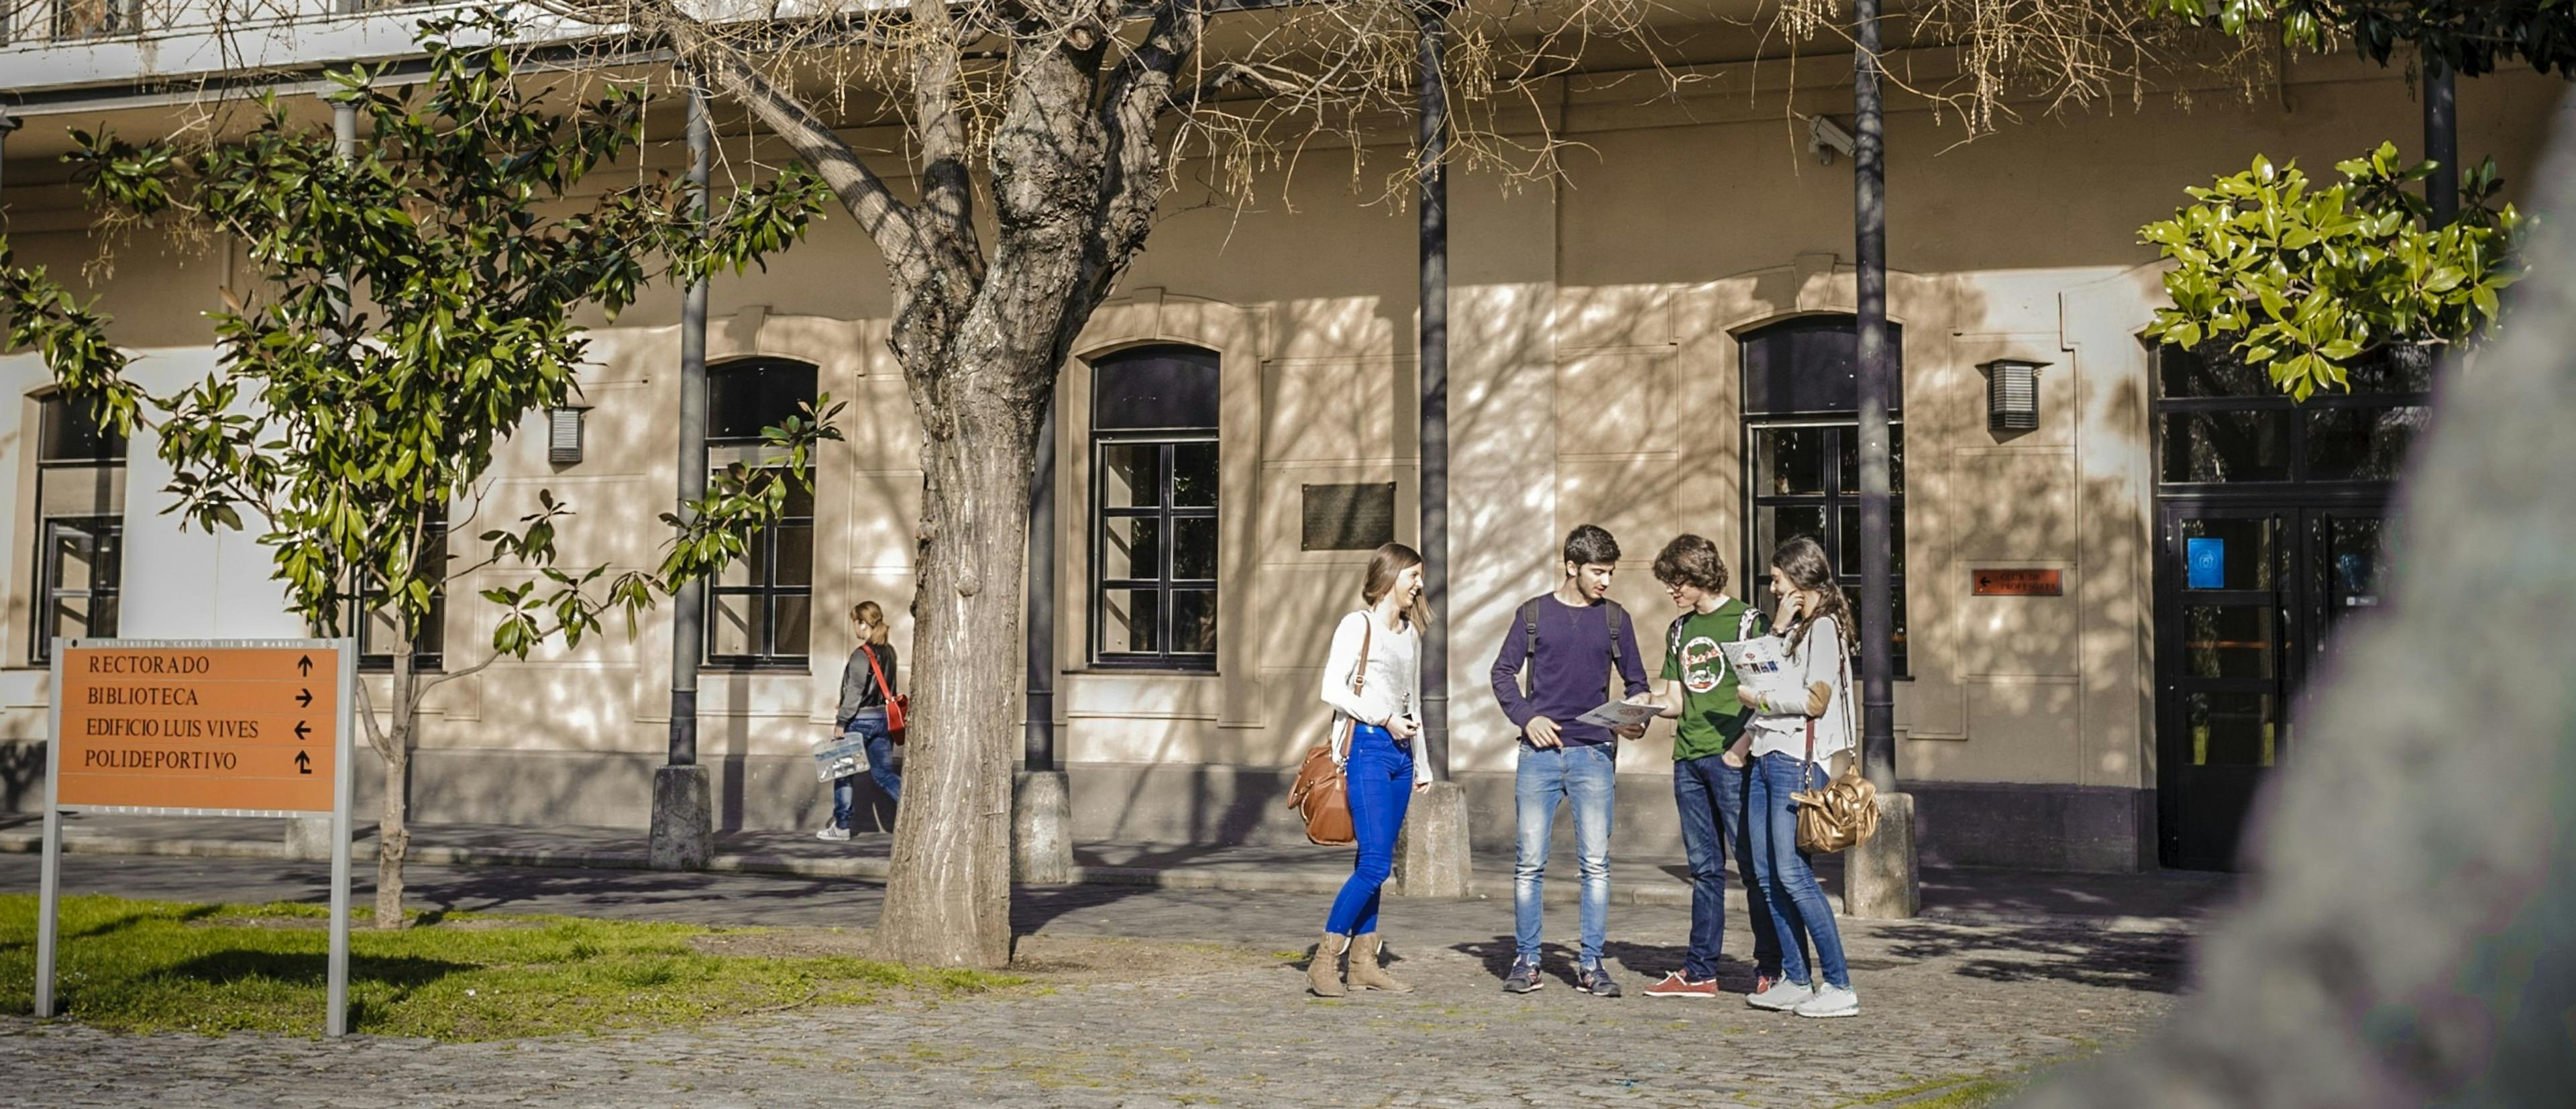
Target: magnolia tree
415,310
2299,280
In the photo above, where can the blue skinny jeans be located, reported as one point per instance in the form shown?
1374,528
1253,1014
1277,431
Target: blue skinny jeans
1380,775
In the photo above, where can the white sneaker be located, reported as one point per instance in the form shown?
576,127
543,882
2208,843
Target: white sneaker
834,834
1783,995
1831,1001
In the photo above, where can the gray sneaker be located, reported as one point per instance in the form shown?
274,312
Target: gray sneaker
1783,995
1830,1001
1596,981
1524,977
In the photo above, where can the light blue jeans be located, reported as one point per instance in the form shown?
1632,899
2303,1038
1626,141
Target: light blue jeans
1781,874
1577,773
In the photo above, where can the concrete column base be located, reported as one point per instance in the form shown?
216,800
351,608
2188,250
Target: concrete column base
683,819
1879,877
1041,829
1431,854
308,837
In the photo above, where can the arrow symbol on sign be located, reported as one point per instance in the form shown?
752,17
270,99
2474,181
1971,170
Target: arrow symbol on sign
303,763
305,698
304,666
301,731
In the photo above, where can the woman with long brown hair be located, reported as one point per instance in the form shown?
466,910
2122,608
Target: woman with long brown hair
1373,681
867,686
1793,740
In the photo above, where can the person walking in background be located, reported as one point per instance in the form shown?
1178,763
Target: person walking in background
1793,744
1373,681
1697,689
1573,642
867,687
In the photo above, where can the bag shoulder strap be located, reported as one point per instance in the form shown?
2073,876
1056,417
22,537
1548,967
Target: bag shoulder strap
1612,617
1368,637
1673,640
883,689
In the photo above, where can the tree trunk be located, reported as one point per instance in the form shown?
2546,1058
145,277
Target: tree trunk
948,900
393,835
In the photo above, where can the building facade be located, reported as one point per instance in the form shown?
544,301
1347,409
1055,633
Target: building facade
1658,342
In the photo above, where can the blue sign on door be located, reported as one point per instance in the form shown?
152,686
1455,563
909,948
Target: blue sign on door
2205,562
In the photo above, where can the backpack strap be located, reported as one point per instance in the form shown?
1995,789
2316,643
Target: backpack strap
1673,643
1529,647
1613,617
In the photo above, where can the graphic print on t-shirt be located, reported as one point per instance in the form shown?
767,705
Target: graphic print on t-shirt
1703,665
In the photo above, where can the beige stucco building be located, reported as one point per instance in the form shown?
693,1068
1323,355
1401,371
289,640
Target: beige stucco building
1601,326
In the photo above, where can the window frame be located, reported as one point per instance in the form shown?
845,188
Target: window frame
358,620
761,547
2296,439
109,457
1830,500
1165,511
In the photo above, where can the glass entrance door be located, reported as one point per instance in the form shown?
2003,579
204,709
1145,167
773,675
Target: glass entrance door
2249,601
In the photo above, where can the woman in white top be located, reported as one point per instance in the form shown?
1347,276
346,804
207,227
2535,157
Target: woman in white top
1373,681
1793,740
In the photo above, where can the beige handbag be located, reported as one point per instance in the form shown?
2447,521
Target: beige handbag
1845,811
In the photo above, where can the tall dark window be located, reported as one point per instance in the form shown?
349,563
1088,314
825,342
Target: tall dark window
760,609
80,516
92,18
1802,454
1153,517
378,630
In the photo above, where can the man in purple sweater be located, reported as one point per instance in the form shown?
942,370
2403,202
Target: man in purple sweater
1575,642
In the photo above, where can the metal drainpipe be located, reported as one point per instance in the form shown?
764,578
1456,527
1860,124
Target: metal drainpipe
1869,196
2442,140
1039,736
1433,210
689,604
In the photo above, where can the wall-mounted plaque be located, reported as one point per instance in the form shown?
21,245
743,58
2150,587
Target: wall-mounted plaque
2018,583
1347,517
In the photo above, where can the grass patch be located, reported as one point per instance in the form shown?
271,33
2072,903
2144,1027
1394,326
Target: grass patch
150,966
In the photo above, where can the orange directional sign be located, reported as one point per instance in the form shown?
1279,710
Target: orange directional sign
241,728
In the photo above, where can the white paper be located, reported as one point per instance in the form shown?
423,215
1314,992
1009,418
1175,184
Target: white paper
1619,714
1762,666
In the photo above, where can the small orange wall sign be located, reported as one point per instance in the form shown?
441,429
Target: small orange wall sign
183,727
2018,583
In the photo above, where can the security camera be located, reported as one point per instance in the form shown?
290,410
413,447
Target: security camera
1824,137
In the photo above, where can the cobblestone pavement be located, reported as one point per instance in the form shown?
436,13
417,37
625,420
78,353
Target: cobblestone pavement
1228,1026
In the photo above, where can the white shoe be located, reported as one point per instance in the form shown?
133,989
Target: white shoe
1783,995
834,834
1831,1001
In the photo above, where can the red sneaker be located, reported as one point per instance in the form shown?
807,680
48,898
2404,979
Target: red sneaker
1674,985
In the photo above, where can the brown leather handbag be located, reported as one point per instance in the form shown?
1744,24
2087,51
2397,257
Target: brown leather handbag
1845,812
1322,794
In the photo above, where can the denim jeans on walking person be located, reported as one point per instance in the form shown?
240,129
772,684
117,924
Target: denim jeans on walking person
1380,776
870,727
1710,796
1582,774
1781,872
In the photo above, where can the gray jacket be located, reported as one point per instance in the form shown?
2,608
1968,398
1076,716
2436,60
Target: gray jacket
859,684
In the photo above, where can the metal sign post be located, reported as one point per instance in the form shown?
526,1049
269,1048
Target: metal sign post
211,727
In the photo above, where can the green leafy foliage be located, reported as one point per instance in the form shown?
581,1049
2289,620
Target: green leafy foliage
2471,36
416,310
151,966
2299,280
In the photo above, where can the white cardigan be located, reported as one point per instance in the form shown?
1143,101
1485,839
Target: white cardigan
1393,689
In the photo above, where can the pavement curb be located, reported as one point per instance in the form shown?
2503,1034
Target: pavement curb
873,868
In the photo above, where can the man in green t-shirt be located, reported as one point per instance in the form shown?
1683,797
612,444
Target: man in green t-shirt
1698,689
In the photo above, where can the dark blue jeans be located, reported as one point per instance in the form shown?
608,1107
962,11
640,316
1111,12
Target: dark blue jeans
870,727
1380,774
1780,871
1710,795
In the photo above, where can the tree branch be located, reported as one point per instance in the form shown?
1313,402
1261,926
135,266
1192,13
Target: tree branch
1137,94
895,227
947,191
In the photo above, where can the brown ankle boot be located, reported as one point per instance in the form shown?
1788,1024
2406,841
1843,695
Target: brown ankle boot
1324,971
1365,973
